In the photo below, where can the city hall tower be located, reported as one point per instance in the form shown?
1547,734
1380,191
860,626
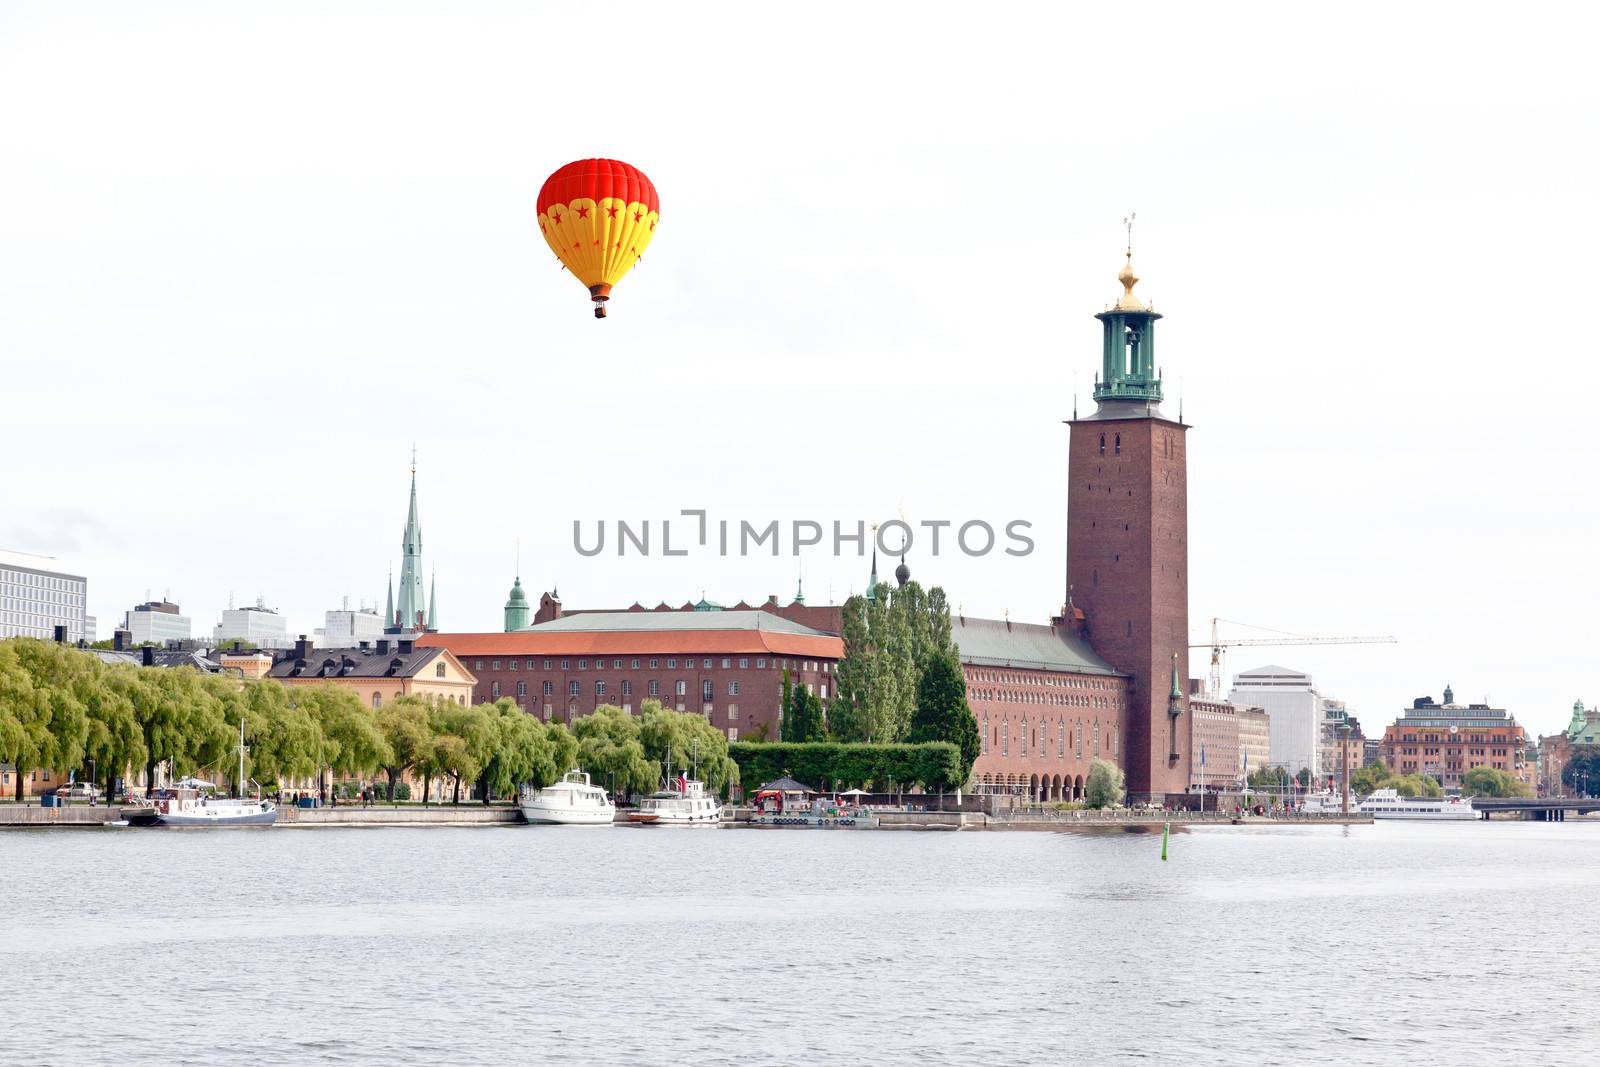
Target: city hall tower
1128,544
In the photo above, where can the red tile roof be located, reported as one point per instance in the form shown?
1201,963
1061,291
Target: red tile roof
638,643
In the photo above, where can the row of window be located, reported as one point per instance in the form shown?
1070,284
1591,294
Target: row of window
1029,739
1070,700
655,664
1062,681
680,688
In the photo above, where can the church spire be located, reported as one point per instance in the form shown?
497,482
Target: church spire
411,612
388,607
433,599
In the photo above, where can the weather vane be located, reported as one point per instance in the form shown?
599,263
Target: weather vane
1127,221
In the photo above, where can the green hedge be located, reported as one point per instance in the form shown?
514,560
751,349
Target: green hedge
828,765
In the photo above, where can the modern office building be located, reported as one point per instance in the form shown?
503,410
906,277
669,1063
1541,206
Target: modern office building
36,596
347,628
1294,707
257,624
156,622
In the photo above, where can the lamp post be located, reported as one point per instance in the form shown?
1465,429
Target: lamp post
1344,768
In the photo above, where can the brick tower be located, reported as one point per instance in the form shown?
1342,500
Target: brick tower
1127,544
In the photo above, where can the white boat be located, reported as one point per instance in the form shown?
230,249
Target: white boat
683,803
569,802
1389,804
194,807
191,803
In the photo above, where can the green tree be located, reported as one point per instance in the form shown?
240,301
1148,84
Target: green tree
694,744
1369,778
50,722
114,740
610,750
889,642
1581,775
353,745
285,741
525,752
1103,786
943,713
836,765
405,726
1489,782
803,716
478,735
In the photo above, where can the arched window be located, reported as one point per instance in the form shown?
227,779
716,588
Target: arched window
377,698
1119,444
1102,444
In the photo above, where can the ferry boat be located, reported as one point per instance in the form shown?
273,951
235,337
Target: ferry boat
1389,804
569,802
683,803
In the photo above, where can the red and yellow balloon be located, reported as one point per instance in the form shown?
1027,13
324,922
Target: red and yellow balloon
598,216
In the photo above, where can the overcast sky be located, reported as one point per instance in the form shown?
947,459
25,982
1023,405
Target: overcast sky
250,254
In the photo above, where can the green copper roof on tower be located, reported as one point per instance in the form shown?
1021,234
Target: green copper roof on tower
1128,357
410,612
517,607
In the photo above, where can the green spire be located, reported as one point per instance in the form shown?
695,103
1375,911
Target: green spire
433,599
800,591
872,579
517,609
1128,363
1176,694
388,610
411,608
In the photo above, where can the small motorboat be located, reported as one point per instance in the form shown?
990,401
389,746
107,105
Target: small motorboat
569,802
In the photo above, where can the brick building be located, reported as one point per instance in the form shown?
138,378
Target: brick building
1127,544
1219,758
725,664
1046,704
1447,740
1555,751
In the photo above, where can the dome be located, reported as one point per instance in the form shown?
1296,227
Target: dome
902,573
518,598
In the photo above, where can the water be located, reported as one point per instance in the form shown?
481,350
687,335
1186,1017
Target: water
1364,945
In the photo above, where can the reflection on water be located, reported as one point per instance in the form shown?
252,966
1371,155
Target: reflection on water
1317,944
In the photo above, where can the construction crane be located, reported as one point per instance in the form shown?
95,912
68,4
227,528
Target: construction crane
1216,645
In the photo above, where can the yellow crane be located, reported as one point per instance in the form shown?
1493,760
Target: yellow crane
1217,644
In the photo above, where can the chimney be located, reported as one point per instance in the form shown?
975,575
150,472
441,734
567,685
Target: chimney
238,646
121,639
383,647
302,648
61,635
405,646
148,656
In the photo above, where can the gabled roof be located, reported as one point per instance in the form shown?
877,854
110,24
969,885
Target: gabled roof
1034,646
650,632
335,663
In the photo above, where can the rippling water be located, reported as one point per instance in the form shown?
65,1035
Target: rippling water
1384,944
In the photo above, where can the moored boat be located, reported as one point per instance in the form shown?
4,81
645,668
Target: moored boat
683,803
569,802
194,807
1389,804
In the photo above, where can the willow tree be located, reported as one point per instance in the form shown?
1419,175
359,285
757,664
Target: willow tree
610,750
115,742
405,726
693,744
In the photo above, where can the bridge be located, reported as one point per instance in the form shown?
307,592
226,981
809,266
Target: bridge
1544,809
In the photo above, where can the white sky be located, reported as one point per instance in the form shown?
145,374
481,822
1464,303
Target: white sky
250,253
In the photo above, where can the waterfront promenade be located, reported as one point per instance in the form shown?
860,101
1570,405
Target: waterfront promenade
478,815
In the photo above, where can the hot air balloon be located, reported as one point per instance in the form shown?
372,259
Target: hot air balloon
598,216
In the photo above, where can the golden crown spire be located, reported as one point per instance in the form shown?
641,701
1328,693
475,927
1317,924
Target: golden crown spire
1128,301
